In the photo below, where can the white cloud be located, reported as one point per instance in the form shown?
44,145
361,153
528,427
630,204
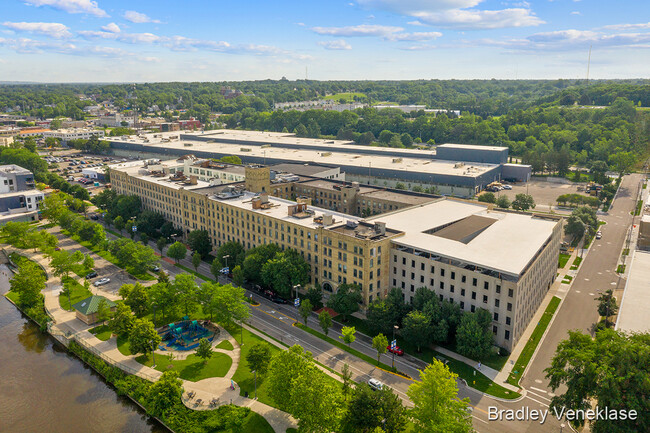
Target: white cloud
627,26
455,13
416,36
410,7
112,27
54,30
421,47
360,30
572,40
415,23
72,6
476,19
335,45
138,18
576,13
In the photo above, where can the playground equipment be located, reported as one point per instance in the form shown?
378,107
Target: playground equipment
184,335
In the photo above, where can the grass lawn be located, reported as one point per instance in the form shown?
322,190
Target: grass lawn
13,296
196,274
254,423
80,270
123,345
564,258
531,345
193,368
343,346
243,375
77,293
102,332
576,263
567,279
225,345
108,256
620,269
19,258
348,96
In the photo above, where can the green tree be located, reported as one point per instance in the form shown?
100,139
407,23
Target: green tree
607,305
123,320
437,408
473,337
204,351
144,238
136,297
15,232
523,202
28,282
177,251
285,271
416,329
487,197
163,296
161,243
235,252
622,162
33,239
315,296
325,321
229,303
143,337
380,316
380,344
305,309
374,411
118,223
610,371
259,357
62,262
199,242
103,311
196,261
503,202
346,375
163,396
215,268
346,300
238,276
348,336
186,292
89,262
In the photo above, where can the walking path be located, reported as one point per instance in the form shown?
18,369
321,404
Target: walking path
66,325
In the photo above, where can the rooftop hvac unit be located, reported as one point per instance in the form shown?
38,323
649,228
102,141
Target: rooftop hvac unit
351,224
326,154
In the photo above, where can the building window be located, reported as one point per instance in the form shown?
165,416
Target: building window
486,285
510,293
473,295
495,330
442,272
412,263
498,288
472,308
462,292
507,335
496,303
463,278
474,282
453,275
509,306
496,317
442,285
485,299
451,288
433,269
507,320
462,305
422,266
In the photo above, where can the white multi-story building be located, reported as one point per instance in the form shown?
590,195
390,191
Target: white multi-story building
66,135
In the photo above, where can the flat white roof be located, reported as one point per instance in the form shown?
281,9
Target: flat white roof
279,210
334,157
471,147
633,311
506,246
138,170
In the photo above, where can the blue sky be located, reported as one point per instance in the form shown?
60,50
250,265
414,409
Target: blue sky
214,40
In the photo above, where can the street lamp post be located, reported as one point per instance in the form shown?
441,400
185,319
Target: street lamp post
227,256
296,288
154,314
395,327
255,372
153,353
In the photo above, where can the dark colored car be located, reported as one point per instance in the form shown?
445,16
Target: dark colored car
94,217
397,350
278,300
90,275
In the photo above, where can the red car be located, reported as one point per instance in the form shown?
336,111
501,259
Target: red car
397,351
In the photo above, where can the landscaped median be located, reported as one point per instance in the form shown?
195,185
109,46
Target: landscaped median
531,345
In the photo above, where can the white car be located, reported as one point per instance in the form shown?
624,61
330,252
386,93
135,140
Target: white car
225,271
507,187
375,384
102,281
599,234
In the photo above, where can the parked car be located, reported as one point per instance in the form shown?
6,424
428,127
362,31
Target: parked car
397,350
599,234
375,384
91,274
102,281
225,271
155,268
507,186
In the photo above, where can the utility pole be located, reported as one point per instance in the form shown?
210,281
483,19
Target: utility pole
588,63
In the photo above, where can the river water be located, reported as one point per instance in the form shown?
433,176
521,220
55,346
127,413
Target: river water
43,389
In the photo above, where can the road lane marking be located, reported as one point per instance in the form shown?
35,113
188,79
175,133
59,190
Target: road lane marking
537,389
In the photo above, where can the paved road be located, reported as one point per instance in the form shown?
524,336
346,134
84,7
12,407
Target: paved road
597,274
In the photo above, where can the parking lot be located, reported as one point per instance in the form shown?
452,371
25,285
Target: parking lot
70,164
544,193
